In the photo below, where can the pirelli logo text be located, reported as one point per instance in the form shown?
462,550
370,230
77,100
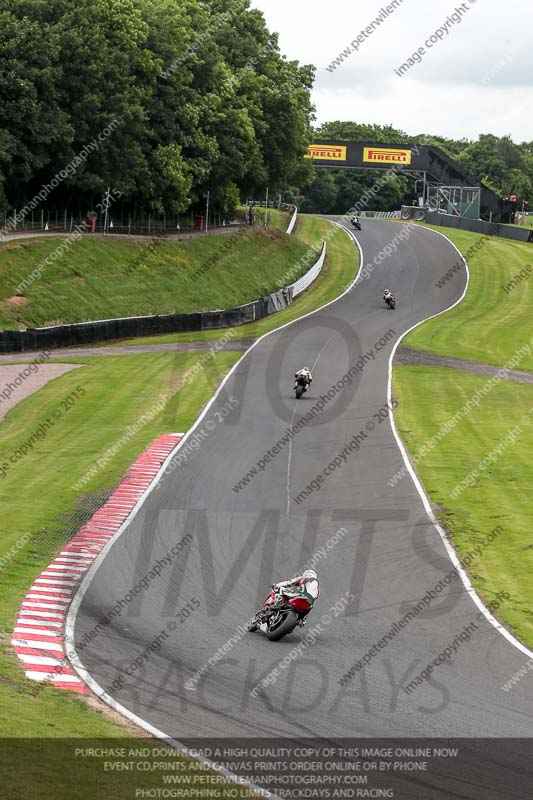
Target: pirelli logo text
386,155
326,152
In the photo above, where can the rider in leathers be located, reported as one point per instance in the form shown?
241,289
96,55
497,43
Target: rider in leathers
305,373
306,585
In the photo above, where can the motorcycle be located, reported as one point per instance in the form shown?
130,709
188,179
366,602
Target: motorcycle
279,614
300,387
356,224
391,301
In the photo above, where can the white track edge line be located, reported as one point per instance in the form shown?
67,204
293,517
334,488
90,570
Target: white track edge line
82,589
70,650
420,489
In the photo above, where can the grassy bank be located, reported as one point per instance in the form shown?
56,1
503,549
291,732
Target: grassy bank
490,324
342,264
274,218
102,277
499,491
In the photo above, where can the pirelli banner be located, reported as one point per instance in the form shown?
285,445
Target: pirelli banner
386,155
325,152
364,155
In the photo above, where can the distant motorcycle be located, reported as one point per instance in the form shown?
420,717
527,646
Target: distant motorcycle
356,224
390,301
300,387
279,614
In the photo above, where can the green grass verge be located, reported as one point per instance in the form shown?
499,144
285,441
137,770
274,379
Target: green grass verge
341,267
99,277
38,498
500,495
490,324
275,219
118,390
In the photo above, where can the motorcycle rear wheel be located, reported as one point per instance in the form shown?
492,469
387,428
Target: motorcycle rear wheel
287,623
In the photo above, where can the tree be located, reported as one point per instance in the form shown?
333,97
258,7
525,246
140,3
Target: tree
33,124
321,195
197,94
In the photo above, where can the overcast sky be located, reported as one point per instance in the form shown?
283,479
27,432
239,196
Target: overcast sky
477,79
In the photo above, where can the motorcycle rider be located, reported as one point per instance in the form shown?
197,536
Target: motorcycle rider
388,296
305,585
304,373
355,220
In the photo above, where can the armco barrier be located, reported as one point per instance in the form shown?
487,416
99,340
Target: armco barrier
292,223
305,281
85,333
465,224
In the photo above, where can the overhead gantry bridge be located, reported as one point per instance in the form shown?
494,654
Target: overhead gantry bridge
442,183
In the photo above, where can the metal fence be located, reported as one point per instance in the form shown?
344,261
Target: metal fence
382,214
120,220
63,221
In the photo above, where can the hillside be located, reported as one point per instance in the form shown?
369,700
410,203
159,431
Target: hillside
98,278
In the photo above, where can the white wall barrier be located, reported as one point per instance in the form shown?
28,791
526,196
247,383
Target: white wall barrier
306,280
292,223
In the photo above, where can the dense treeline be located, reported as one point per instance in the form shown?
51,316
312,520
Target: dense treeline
504,166
196,92
165,100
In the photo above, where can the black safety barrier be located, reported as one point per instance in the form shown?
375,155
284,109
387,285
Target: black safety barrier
85,333
465,224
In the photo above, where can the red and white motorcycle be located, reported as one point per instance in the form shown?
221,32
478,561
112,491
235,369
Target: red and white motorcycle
280,613
390,300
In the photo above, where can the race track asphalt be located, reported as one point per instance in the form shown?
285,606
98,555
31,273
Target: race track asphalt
385,553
